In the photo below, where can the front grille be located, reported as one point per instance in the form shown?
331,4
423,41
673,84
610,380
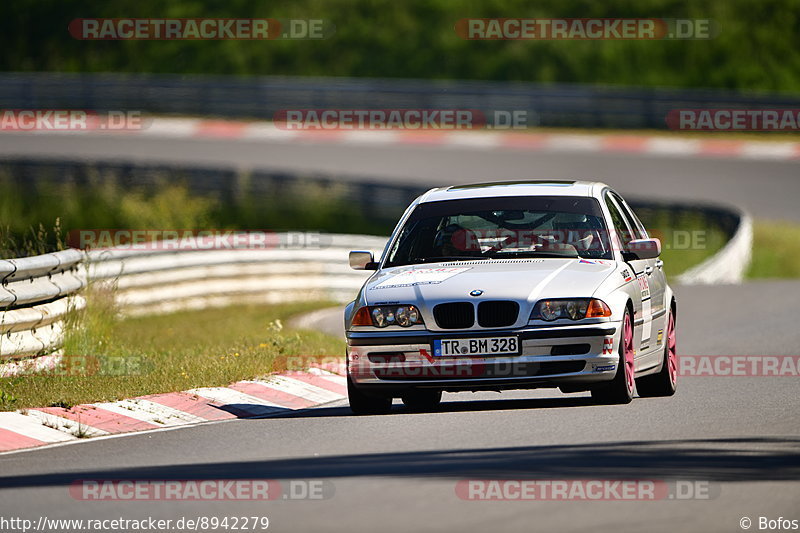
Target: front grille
458,315
497,314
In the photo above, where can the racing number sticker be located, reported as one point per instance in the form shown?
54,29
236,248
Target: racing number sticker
644,286
647,327
608,345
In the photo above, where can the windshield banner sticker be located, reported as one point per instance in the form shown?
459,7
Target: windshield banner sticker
420,276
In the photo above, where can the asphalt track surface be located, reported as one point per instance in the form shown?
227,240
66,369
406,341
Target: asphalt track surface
738,436
767,188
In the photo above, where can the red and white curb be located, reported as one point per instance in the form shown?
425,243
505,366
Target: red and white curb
273,395
613,143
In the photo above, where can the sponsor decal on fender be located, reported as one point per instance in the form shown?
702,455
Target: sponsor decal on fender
608,345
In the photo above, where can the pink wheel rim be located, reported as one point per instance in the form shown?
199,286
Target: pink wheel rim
627,351
672,353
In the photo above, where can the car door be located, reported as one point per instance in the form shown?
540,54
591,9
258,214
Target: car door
656,280
643,315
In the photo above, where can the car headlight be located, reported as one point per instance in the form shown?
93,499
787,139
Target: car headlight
382,316
573,309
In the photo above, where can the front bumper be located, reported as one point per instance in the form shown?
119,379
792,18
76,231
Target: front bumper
571,356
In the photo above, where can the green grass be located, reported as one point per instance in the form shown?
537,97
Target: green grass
776,250
30,207
678,260
168,353
687,238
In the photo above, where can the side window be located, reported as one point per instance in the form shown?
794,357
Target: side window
634,222
620,223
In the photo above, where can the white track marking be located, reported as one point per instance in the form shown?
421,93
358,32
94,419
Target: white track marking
769,150
245,402
666,146
473,139
268,131
171,127
299,388
558,142
32,427
574,143
335,378
151,412
65,424
370,137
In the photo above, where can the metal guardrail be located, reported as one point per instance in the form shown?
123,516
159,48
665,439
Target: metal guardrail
730,263
36,293
559,105
165,281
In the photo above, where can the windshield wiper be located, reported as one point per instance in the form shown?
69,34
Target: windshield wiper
444,259
531,253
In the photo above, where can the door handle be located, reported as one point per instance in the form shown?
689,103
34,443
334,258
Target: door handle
659,263
648,270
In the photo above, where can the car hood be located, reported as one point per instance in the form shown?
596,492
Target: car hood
520,280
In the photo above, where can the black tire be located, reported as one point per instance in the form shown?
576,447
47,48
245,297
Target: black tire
367,404
618,391
664,382
422,400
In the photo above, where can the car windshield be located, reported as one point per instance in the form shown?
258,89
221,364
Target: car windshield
500,228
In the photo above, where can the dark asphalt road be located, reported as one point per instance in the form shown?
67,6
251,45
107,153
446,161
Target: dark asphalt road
741,436
768,189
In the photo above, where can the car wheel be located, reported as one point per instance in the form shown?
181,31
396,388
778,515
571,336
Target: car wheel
665,382
422,400
621,388
367,404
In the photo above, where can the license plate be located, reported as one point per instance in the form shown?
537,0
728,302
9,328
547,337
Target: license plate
476,346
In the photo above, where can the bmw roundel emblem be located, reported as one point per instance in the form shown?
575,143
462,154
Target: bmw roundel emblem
476,292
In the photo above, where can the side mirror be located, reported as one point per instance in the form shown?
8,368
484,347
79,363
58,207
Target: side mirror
642,249
360,260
